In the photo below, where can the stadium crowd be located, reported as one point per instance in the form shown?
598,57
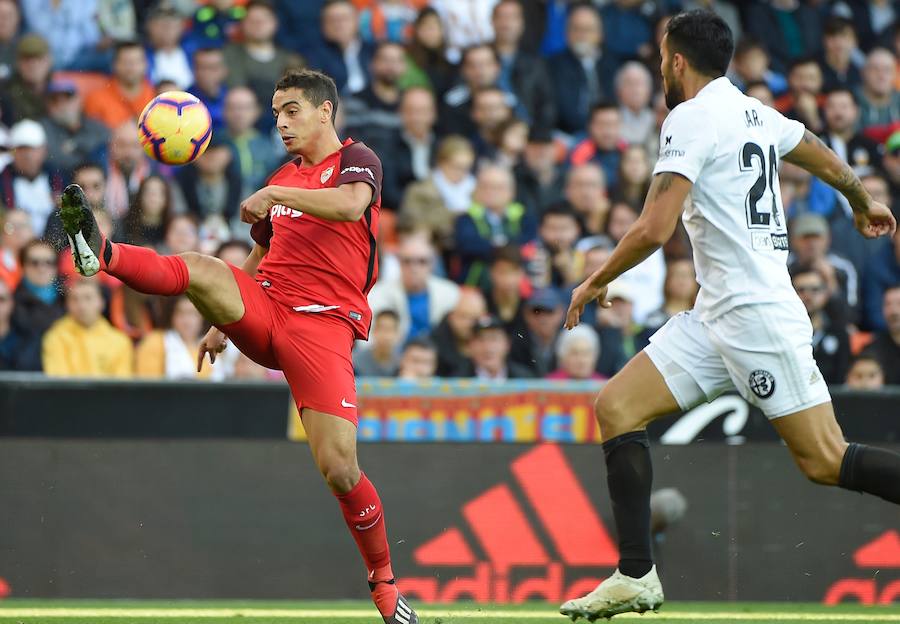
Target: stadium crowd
517,137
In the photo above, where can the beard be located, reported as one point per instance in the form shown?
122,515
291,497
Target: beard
674,94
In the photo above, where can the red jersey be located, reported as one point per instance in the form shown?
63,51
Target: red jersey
319,266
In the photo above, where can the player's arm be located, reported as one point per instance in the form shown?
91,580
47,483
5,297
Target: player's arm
252,262
662,209
872,218
347,202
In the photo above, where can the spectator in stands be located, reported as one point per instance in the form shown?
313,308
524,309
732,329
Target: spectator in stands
72,138
616,325
583,73
467,23
258,62
151,209
577,352
480,68
512,137
10,347
830,341
171,352
127,166
838,67
585,192
872,20
810,241
372,114
879,101
886,346
534,350
26,183
453,335
92,180
604,143
69,26
761,91
489,352
428,53
751,64
789,29
166,57
522,72
209,85
854,148
804,97
23,95
551,257
865,373
83,343
389,20
504,297
127,93
182,235
253,153
15,233
629,28
418,361
420,298
211,185
890,162
10,20
381,357
801,192
215,24
495,219
634,175
411,147
634,89
490,110
437,201
539,178
234,251
37,302
679,292
882,272
344,56
118,22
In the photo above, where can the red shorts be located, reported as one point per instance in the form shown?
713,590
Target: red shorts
312,349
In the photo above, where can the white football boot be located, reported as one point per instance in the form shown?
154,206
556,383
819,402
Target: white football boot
618,594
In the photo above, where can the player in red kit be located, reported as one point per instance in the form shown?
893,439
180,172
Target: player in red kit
299,301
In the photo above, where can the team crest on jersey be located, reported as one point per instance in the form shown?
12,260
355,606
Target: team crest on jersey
762,382
326,174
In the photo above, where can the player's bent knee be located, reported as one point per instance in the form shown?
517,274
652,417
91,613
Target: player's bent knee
339,469
824,470
611,414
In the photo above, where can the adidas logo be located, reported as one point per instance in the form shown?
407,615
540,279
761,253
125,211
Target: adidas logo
525,525
881,553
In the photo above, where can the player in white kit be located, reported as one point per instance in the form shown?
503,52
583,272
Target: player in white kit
748,329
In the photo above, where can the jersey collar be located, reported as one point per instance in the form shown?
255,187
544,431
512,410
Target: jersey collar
719,85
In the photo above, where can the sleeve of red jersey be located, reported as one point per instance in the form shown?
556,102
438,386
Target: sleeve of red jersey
360,164
261,231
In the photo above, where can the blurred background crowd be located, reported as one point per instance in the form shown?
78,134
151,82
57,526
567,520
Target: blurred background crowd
517,138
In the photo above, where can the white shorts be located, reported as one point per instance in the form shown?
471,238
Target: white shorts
764,351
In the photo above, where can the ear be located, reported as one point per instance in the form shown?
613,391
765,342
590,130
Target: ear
325,111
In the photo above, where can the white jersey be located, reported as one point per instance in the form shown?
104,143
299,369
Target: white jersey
729,146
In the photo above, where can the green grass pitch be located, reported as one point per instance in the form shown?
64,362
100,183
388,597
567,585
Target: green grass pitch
15,611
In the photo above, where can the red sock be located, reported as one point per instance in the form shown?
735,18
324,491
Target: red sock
148,272
365,519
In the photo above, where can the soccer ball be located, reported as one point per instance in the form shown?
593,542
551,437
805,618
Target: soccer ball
175,128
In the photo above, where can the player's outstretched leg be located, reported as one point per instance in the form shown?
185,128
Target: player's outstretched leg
632,399
333,444
817,445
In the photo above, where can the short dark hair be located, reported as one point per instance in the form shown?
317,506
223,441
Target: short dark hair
510,254
85,166
846,90
836,25
558,210
704,39
603,105
803,268
754,84
478,46
125,44
261,4
234,242
316,86
800,62
388,313
420,342
749,44
32,244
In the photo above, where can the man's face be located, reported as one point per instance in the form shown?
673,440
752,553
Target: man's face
841,44
540,156
621,218
579,359
806,78
891,310
130,66
812,291
300,122
9,20
879,72
259,25
752,64
584,32
418,363
489,110
509,23
389,64
506,278
416,262
210,71
543,322
490,348
840,112
635,88
865,374
480,68
594,259
181,235
64,108
84,304
495,189
164,31
93,182
559,232
339,23
34,69
878,189
417,112
241,110
605,128
671,79
125,147
16,230
29,160
585,188
40,265
385,333
186,320
810,247
463,317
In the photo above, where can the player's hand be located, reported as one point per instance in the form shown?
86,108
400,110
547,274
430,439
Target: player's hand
214,342
582,296
876,221
256,207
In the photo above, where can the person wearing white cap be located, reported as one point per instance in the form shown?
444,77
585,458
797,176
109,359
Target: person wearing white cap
24,183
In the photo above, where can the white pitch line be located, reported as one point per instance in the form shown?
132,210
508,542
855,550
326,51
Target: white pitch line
13,613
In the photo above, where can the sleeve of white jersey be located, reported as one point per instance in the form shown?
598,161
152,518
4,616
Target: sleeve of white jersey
687,141
790,133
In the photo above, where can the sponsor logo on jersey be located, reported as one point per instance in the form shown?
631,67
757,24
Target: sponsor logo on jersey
326,174
365,170
668,140
279,210
671,153
762,382
356,316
